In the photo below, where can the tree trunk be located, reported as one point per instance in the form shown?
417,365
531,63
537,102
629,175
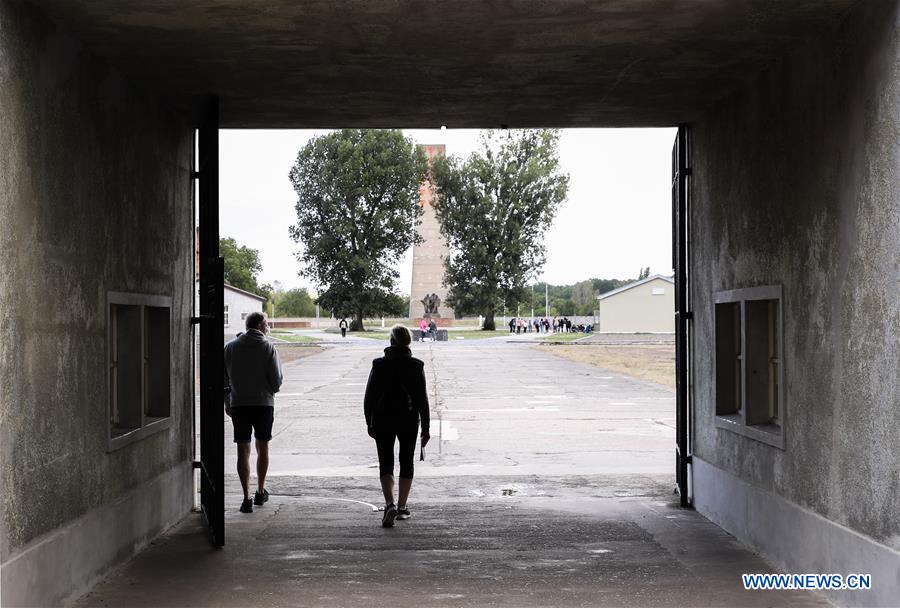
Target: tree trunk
357,324
489,324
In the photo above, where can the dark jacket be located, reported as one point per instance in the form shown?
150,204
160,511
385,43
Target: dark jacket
252,370
396,382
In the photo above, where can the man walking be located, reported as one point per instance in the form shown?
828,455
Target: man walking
253,376
343,326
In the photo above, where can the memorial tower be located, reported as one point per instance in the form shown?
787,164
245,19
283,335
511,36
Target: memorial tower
427,289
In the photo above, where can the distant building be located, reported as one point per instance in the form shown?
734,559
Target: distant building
237,305
645,306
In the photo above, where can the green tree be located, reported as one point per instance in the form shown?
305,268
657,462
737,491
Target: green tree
396,305
295,303
602,286
242,267
645,272
357,209
584,298
494,210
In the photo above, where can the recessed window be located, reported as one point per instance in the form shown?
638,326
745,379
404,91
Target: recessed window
158,363
140,366
225,316
749,365
729,388
659,291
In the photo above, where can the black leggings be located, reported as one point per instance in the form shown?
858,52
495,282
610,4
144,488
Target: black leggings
384,440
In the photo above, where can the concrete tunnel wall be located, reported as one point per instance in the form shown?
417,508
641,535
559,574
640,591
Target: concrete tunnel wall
796,181
95,196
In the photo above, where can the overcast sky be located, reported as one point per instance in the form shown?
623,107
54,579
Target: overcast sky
616,220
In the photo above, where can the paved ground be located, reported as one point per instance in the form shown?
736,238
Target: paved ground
552,487
500,408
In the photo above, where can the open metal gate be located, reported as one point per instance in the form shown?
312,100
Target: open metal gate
212,330
681,175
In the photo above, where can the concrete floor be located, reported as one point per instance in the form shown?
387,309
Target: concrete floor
552,486
501,408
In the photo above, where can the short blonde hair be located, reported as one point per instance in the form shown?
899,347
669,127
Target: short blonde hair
400,335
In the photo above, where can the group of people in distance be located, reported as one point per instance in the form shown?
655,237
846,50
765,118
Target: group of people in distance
545,325
395,405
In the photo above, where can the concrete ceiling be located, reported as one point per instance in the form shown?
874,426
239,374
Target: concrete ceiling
460,63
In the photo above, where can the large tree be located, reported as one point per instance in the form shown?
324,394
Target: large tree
357,212
494,209
294,303
242,267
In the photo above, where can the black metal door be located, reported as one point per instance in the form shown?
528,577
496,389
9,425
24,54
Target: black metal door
212,331
681,174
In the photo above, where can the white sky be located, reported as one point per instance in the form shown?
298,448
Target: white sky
616,220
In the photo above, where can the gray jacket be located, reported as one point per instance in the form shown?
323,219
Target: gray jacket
252,370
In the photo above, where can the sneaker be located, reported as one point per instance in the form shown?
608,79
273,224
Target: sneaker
247,506
403,513
390,513
259,499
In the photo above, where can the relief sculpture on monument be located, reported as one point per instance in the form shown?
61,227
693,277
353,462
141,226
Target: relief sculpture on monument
431,303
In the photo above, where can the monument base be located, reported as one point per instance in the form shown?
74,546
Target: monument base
439,321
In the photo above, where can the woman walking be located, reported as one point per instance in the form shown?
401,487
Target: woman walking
395,402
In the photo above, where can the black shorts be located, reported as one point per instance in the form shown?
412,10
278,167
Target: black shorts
384,442
256,419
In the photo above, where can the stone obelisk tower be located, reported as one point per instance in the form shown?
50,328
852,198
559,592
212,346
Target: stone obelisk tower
428,265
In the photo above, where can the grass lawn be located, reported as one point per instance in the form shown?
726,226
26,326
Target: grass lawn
653,362
569,337
294,338
476,334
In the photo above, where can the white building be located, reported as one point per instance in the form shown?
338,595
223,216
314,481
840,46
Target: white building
237,305
645,306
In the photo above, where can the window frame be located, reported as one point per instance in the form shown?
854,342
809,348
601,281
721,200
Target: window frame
772,431
150,425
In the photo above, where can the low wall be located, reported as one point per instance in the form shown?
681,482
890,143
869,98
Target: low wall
439,321
289,324
442,335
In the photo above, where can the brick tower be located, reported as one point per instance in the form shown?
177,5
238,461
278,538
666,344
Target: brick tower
428,266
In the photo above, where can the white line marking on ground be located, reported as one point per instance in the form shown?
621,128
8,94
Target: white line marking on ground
512,409
359,502
448,432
